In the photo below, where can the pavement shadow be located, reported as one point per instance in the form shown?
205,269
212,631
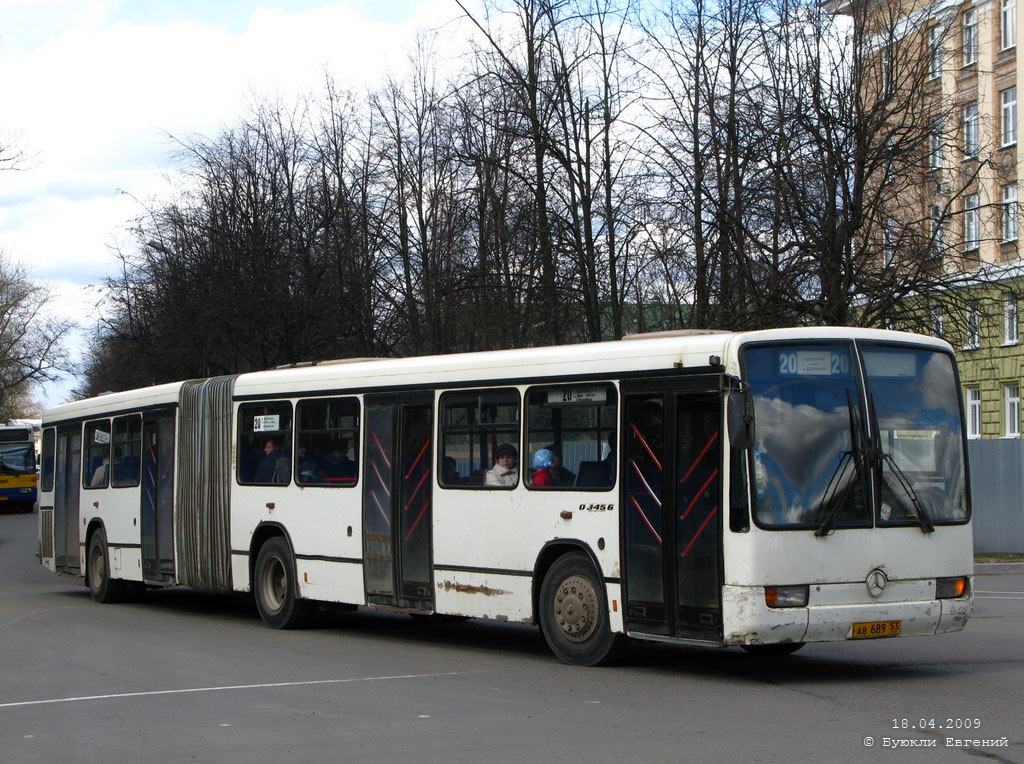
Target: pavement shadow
814,664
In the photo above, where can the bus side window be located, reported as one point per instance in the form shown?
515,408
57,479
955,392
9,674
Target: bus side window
571,437
479,434
127,451
49,453
96,454
327,442
265,443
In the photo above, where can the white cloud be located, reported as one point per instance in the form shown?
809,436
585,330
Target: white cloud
95,98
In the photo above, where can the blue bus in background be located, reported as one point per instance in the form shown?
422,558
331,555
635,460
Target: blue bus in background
18,478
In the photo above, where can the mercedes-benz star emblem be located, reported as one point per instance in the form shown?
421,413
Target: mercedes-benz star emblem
876,582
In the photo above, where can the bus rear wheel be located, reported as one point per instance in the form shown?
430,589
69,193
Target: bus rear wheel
276,589
574,613
102,587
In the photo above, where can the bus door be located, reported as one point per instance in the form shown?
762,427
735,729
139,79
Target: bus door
397,492
672,510
67,485
157,497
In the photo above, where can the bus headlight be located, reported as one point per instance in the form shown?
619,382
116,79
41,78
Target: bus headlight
786,596
948,588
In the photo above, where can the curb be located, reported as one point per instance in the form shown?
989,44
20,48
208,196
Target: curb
998,568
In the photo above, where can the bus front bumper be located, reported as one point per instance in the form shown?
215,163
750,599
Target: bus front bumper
749,621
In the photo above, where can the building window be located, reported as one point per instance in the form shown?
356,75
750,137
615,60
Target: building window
1008,23
972,223
888,242
1009,213
935,51
1008,112
937,229
974,412
937,321
970,36
1010,319
935,144
971,129
973,327
1012,397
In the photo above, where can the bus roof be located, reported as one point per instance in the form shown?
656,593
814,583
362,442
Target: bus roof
661,352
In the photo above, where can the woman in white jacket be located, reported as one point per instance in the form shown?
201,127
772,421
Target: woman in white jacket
505,472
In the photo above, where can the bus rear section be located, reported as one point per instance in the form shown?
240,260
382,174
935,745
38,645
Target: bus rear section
858,496
18,480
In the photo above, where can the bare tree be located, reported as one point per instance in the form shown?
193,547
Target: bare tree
32,342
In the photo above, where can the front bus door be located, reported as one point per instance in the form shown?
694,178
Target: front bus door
157,497
397,493
672,510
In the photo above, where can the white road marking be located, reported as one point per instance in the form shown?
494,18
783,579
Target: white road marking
268,685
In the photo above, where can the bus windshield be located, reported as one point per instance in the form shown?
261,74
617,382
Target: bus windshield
917,414
816,463
17,458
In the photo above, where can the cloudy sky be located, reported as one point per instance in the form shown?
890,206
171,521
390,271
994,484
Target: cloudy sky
95,91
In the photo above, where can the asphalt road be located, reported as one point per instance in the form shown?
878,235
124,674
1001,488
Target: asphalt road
186,677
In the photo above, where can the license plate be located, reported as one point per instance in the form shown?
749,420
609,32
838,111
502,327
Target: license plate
871,629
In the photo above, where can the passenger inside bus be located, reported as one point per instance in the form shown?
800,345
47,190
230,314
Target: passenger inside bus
99,474
505,472
337,467
276,466
541,474
450,472
559,474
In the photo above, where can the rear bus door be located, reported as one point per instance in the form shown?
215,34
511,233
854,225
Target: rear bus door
672,510
67,487
397,495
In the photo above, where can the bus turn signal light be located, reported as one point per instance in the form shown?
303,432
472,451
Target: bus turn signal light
948,588
786,596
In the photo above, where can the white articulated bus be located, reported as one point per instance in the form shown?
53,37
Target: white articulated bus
761,489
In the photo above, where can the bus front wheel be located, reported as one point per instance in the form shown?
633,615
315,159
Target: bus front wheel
574,613
276,589
102,587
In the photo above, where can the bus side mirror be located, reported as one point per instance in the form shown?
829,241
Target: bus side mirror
740,419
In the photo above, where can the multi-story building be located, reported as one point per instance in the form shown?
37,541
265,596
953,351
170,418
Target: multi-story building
970,185
972,49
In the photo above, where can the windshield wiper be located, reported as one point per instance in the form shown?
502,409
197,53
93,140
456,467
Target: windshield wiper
922,516
880,458
837,500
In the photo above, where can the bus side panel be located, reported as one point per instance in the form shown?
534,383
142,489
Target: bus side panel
117,509
487,542
325,530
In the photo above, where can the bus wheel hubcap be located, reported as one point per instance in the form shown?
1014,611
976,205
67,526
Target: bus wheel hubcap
275,587
96,567
576,608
